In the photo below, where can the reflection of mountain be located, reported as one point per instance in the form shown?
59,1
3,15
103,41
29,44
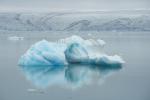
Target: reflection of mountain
67,76
74,22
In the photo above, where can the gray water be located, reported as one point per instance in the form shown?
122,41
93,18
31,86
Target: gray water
129,82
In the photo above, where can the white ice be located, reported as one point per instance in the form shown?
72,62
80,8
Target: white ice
15,38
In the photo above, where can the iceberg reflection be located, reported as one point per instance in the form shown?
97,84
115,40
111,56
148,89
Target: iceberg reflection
71,76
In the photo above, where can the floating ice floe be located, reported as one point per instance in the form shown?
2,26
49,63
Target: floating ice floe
67,51
101,42
15,38
35,91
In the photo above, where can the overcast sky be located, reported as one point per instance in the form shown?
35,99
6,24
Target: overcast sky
76,5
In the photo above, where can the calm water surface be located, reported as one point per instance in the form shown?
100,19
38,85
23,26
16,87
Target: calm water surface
129,82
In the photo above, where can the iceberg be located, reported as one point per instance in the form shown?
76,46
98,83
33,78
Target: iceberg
71,50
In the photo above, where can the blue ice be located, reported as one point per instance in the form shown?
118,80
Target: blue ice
72,51
43,53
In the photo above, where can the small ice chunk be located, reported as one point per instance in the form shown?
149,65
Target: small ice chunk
89,34
35,91
101,42
15,38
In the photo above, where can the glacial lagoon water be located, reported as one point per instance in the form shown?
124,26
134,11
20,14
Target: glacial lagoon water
76,82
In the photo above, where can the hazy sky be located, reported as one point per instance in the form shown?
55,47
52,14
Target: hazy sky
76,5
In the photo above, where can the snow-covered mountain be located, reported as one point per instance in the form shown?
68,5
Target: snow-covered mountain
77,21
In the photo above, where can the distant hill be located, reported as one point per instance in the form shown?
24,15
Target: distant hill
77,21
